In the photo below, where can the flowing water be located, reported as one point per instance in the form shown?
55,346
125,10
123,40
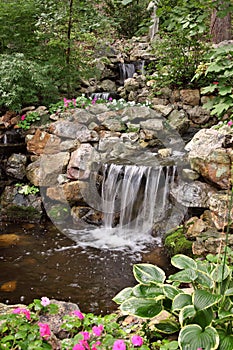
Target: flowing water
89,265
38,260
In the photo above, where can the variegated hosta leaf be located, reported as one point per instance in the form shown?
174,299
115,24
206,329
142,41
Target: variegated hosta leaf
141,307
204,280
186,313
146,273
203,299
147,291
183,262
220,273
226,341
192,337
171,291
204,318
180,301
167,326
123,295
185,276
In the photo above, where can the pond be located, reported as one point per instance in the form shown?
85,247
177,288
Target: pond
39,260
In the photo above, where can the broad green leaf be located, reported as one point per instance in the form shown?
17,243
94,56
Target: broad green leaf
181,300
150,291
183,262
225,90
210,88
123,295
171,291
220,273
185,276
141,307
214,67
186,312
193,337
146,273
229,291
204,280
167,326
204,318
203,299
226,341
126,2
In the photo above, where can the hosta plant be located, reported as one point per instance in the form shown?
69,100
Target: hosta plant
201,318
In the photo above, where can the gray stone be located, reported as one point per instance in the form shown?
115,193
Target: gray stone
51,166
179,121
16,166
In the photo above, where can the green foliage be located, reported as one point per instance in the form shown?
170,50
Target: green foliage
22,329
27,189
28,119
219,70
130,17
203,317
23,82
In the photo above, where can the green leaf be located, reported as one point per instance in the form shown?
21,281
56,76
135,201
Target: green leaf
225,90
220,273
186,312
146,273
214,67
203,299
193,337
167,326
171,291
185,276
141,307
123,295
183,262
204,280
126,2
229,291
226,341
181,300
204,318
150,291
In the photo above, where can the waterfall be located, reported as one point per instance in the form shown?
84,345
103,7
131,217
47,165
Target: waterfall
132,199
135,196
127,70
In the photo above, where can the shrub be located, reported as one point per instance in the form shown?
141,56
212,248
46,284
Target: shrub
23,82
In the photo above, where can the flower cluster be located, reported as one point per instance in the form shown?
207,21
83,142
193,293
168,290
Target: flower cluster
69,103
25,328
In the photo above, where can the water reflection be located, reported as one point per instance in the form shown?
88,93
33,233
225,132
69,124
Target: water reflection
38,260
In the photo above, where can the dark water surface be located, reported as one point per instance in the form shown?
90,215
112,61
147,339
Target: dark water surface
38,261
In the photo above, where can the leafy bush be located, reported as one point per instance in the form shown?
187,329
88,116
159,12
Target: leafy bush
203,316
23,82
218,69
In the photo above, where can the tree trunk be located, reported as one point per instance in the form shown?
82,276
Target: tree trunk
220,27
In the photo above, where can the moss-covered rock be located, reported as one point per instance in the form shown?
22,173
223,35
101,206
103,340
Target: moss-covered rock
177,243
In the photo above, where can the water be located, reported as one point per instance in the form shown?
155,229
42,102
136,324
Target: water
38,260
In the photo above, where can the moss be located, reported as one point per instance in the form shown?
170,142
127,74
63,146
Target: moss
177,243
22,213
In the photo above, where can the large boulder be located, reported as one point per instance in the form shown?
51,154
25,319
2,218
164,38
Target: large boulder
211,155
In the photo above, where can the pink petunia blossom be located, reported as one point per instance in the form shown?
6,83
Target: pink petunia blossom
230,123
94,346
45,301
110,99
97,330
119,345
215,82
137,340
86,335
78,314
78,347
44,330
19,310
23,117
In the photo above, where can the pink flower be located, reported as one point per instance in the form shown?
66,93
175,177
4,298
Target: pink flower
74,101
19,310
23,117
94,100
230,123
215,82
78,347
45,301
78,314
137,340
97,330
94,346
86,335
44,330
119,345
110,99
199,348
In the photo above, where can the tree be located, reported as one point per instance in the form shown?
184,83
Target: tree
220,25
